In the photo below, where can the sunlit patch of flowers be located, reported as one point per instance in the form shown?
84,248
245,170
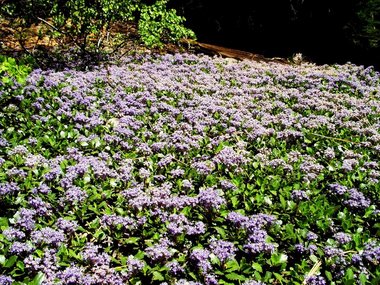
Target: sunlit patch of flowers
184,169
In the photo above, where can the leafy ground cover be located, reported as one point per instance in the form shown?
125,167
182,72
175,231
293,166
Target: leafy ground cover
185,169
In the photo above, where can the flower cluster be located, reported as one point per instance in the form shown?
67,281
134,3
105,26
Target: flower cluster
184,167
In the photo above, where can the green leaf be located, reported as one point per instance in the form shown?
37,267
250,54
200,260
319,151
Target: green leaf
221,232
257,267
132,240
10,261
278,259
232,265
278,276
235,277
328,275
158,276
363,278
2,259
38,279
313,258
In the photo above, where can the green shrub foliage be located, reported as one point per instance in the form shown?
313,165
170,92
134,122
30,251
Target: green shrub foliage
369,14
82,19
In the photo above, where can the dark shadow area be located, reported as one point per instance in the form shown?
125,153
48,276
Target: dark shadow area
321,30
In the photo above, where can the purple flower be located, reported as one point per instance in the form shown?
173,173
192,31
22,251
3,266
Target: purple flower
71,275
315,280
160,251
14,172
338,189
259,247
185,282
42,208
9,188
175,268
115,220
342,238
299,195
92,255
20,247
357,200
13,234
371,252
201,256
18,149
224,250
66,226
43,189
177,172
311,236
75,195
5,280
210,198
134,265
210,279
187,184
333,251
196,228
203,167
237,219
229,157
144,173
49,236
349,164
227,185
25,218
299,248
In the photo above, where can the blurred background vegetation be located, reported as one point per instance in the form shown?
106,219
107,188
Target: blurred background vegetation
325,31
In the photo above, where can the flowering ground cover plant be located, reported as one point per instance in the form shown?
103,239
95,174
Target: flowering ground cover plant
184,169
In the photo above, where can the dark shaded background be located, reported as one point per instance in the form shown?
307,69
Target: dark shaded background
322,30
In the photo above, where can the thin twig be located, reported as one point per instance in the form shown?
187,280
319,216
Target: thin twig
51,26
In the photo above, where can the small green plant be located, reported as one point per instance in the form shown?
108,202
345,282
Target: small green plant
11,71
157,24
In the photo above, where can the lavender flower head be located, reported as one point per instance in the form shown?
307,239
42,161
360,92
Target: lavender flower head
299,195
160,251
224,250
342,238
175,268
338,189
13,234
311,236
210,198
9,188
315,280
134,265
49,236
201,257
94,256
20,247
5,280
67,226
25,218
72,275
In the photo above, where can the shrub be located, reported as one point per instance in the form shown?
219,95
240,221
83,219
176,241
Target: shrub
86,22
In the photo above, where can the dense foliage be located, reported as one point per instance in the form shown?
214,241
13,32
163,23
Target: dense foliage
369,15
87,23
174,168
